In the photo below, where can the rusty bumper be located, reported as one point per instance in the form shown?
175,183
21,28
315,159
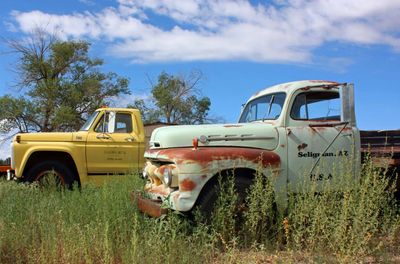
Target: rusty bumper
148,206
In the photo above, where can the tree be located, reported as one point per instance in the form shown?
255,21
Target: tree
175,100
61,85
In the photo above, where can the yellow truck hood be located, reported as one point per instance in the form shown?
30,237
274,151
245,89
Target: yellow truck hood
51,136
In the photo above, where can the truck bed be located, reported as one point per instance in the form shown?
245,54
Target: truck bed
383,146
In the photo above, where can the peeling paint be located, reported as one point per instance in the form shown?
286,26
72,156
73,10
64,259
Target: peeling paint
228,126
302,146
187,185
204,155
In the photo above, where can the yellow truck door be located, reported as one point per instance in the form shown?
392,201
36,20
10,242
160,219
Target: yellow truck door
113,147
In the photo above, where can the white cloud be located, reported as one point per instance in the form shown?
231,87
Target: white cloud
5,140
5,149
286,31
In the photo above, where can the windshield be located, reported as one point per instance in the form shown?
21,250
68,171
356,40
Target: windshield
89,122
266,107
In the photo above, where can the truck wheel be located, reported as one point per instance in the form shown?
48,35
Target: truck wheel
209,196
51,173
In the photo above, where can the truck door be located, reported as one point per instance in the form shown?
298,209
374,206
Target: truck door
113,146
320,145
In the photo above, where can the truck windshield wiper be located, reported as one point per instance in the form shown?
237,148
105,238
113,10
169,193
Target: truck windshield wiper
269,107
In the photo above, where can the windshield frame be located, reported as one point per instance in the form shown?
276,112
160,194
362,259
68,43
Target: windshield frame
89,121
248,104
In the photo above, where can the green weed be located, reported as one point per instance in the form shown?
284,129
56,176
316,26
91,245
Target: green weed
344,220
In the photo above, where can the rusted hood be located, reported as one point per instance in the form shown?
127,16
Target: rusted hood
257,135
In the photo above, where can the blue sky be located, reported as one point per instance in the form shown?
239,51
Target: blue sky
240,46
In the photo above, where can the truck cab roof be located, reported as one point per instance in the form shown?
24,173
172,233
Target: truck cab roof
115,109
290,87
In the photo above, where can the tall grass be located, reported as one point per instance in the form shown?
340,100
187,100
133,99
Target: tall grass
94,225
349,217
100,224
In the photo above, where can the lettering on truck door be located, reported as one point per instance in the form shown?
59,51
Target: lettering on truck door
113,146
319,144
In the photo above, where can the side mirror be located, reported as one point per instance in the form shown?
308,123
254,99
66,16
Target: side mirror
111,122
348,108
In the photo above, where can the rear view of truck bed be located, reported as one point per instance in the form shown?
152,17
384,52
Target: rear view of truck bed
384,149
383,146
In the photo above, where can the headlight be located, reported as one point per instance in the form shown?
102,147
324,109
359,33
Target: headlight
167,177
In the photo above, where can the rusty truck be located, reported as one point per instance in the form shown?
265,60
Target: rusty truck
293,132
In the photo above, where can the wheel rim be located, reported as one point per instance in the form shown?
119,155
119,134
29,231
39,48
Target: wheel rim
50,178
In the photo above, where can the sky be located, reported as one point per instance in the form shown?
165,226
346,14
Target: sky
240,46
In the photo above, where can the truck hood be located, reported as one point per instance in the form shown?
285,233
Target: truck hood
47,136
255,135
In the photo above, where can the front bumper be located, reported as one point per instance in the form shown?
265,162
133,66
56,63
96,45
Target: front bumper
148,206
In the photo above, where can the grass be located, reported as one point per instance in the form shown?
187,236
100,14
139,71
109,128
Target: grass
360,223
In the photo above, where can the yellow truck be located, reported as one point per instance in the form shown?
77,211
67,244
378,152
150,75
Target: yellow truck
110,143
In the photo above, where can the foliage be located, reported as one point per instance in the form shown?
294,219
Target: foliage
60,82
94,225
175,100
101,225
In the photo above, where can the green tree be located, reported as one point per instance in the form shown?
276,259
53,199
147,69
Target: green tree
175,100
60,85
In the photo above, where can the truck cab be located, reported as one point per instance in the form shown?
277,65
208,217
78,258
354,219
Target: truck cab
294,133
109,144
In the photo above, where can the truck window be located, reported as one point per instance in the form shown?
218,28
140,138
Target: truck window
89,122
123,123
115,123
266,107
319,106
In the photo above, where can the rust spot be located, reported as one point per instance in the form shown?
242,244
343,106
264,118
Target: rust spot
187,185
204,177
320,129
204,155
302,146
161,170
282,145
148,206
232,125
305,88
159,189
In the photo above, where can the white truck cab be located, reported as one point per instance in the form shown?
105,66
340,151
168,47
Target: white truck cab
295,133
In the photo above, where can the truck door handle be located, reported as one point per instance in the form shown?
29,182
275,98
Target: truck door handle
102,136
129,139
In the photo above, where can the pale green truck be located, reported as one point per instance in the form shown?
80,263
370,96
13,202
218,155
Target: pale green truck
293,133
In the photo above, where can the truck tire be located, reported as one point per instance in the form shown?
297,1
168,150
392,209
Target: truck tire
208,197
50,172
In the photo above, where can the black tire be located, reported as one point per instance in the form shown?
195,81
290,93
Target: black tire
62,175
208,197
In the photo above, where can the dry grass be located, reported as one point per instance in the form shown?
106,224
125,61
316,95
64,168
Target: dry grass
100,225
